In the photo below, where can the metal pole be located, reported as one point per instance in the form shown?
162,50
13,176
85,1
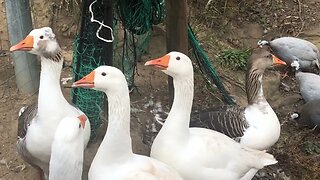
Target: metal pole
27,70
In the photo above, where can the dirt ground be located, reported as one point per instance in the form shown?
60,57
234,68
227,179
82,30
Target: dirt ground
298,149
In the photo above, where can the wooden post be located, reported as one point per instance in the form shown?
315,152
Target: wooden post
27,70
177,32
108,48
108,20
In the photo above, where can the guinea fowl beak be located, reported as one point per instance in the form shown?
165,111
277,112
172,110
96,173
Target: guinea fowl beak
86,82
161,63
82,119
24,45
277,60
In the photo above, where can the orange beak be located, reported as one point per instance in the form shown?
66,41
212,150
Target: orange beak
86,82
277,60
161,63
24,45
83,119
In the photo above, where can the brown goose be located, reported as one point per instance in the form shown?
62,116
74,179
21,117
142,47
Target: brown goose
256,126
37,124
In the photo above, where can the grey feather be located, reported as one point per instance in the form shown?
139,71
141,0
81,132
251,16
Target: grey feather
310,114
229,120
25,119
291,49
26,156
309,85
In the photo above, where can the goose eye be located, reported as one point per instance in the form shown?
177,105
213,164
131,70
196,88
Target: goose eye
103,74
79,125
41,37
178,58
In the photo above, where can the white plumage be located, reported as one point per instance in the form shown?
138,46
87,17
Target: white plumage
198,153
114,158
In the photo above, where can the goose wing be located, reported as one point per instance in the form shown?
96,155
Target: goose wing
25,119
229,120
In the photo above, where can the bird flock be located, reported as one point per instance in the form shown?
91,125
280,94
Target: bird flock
225,143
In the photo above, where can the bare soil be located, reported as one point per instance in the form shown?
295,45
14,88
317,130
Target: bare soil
297,149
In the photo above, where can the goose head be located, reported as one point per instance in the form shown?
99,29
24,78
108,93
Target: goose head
40,42
174,64
70,127
104,78
262,59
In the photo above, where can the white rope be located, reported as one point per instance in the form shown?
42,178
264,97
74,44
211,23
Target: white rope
101,24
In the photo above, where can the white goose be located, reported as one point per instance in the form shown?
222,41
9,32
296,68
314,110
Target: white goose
37,124
199,153
66,160
114,158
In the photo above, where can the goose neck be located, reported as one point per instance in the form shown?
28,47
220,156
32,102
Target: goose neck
50,94
117,141
254,87
179,117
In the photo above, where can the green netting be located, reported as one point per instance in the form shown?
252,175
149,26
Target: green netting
89,54
128,46
128,49
132,30
138,16
206,66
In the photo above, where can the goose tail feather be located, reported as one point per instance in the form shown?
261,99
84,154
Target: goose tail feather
267,159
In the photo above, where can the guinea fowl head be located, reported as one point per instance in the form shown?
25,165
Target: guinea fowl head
41,41
262,43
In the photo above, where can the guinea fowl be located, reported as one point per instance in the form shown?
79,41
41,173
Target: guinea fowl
256,125
309,85
199,153
293,50
114,159
66,161
309,115
38,122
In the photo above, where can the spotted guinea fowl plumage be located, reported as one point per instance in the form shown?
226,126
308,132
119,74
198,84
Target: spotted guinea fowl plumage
310,114
309,85
292,49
